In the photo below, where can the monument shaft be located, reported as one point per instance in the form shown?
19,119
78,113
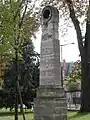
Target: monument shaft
50,103
50,49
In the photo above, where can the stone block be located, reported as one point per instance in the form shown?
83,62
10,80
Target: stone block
50,103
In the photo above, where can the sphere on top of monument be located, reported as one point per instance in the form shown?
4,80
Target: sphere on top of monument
49,14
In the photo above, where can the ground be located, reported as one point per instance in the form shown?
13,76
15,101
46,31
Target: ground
78,116
7,115
28,117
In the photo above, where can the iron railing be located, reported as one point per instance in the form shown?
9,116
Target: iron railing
73,100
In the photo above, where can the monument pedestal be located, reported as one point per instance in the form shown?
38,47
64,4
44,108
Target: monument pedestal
50,103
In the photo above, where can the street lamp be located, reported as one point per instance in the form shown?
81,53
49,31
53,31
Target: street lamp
63,46
62,61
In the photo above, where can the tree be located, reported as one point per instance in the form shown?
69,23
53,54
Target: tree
17,25
28,76
74,77
15,31
76,10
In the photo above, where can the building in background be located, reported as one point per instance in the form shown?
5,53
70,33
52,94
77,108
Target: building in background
66,68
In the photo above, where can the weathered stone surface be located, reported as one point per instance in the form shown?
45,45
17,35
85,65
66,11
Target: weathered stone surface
50,49
50,103
50,91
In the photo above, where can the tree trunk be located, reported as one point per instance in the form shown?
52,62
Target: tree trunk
18,92
16,101
85,62
16,105
21,101
85,91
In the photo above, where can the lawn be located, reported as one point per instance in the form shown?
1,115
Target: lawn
6,115
78,116
29,116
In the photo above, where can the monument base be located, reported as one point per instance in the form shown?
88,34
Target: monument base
50,103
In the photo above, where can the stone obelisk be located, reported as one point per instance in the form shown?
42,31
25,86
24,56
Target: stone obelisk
50,103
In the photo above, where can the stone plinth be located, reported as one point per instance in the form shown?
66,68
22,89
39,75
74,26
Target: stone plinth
50,103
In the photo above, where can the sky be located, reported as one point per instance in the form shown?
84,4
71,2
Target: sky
70,52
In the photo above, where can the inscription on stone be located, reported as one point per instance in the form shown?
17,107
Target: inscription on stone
46,36
46,56
47,63
48,72
45,51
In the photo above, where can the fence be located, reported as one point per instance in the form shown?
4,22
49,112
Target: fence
73,100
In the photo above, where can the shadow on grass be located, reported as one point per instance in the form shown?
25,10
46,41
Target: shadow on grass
77,115
12,113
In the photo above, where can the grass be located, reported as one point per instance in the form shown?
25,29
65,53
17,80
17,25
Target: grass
28,116
7,115
78,116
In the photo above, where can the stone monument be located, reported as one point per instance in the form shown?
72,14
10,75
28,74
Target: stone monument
50,103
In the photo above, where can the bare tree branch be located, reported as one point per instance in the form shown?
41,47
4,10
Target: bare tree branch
21,21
